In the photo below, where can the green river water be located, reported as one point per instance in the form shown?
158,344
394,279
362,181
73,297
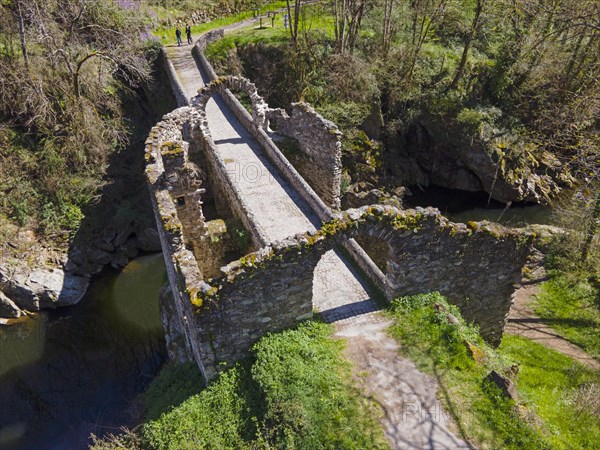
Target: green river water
68,373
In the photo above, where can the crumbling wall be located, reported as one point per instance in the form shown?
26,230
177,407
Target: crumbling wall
319,159
182,270
475,267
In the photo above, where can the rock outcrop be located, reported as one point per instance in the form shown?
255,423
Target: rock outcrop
42,288
478,157
8,308
25,289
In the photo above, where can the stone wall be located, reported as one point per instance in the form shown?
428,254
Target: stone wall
319,159
176,85
261,297
475,267
183,272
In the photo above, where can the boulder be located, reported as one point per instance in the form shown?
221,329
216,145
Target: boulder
99,257
506,385
8,309
149,241
476,353
119,259
45,288
130,248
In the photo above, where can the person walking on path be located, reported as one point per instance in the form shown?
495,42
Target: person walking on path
188,33
178,34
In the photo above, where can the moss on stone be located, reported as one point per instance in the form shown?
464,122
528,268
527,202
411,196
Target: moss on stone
171,148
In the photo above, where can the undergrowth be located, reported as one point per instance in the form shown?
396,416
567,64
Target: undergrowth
544,417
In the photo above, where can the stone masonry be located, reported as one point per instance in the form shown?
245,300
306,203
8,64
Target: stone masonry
217,315
320,151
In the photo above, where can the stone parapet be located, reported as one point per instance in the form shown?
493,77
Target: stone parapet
476,267
176,86
319,155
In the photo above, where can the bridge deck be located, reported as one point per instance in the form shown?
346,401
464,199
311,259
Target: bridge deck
277,209
339,293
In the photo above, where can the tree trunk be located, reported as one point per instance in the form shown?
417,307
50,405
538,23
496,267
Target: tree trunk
463,60
293,31
387,27
591,231
22,34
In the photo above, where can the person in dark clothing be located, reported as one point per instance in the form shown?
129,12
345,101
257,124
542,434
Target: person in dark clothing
178,34
188,33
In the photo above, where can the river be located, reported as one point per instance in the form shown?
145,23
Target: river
68,373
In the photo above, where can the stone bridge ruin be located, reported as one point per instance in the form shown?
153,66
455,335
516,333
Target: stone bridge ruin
224,296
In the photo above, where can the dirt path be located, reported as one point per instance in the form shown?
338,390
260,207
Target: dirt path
523,321
412,417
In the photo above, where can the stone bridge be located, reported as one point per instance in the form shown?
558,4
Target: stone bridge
254,244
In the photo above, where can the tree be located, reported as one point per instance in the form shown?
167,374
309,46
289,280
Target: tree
463,60
387,26
348,15
293,19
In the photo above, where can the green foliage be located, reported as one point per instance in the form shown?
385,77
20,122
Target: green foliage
310,402
345,114
361,156
218,417
297,393
38,190
475,117
241,236
438,347
572,308
173,385
62,108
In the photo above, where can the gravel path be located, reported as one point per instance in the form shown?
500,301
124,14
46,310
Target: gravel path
412,415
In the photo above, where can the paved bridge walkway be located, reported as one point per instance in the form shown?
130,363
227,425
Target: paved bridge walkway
339,293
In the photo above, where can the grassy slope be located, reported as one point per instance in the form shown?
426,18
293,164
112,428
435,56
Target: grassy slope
573,311
550,384
297,393
167,34
546,382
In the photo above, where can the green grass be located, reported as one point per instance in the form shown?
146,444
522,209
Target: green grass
315,20
550,384
173,385
167,34
573,310
297,392
483,415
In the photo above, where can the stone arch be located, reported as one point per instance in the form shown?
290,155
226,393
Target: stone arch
475,266
221,84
